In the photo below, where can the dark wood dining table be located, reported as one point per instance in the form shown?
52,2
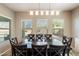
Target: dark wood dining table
54,41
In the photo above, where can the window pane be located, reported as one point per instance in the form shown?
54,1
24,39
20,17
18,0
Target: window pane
42,26
42,31
42,23
58,23
4,24
28,24
4,29
58,27
28,31
26,27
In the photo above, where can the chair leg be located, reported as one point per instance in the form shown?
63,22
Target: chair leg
64,52
68,52
12,51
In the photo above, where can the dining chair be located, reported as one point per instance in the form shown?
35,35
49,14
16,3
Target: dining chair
31,37
16,40
64,40
20,50
13,41
17,49
67,42
39,50
39,37
48,37
56,50
68,47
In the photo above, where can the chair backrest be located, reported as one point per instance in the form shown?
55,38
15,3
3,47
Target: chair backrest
38,50
16,40
64,40
67,40
18,50
70,41
56,50
13,41
48,36
31,37
39,37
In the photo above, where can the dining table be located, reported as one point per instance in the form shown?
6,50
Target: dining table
54,41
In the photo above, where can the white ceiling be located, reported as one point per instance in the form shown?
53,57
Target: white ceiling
20,7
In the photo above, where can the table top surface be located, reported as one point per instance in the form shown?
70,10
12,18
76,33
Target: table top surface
56,42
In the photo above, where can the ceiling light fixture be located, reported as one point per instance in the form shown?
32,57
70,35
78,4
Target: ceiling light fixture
47,12
52,12
31,13
57,12
44,12
41,12
36,12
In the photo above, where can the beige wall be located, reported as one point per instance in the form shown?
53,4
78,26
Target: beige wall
66,16
4,11
75,28
67,23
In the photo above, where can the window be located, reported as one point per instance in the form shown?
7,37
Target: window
42,26
58,27
26,27
4,29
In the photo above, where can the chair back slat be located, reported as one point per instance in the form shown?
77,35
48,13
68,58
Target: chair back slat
38,50
48,37
17,50
39,37
67,41
31,37
20,50
56,50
